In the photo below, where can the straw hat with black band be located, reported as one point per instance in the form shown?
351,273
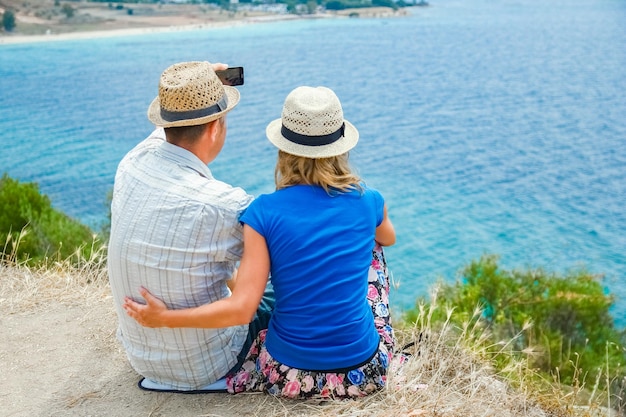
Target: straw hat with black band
312,125
190,94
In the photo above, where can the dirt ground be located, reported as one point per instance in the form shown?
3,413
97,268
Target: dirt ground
62,359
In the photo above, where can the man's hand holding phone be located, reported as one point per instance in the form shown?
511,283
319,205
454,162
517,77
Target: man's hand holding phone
229,76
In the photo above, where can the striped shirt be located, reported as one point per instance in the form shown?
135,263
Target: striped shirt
174,230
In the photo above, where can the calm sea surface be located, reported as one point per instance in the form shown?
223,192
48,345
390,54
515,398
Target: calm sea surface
489,126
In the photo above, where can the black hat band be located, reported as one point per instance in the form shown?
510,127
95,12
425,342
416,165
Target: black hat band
175,116
307,140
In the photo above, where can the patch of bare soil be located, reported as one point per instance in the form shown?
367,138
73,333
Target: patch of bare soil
60,357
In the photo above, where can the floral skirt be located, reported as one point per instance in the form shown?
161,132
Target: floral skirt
261,372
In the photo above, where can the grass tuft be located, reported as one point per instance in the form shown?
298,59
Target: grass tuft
75,279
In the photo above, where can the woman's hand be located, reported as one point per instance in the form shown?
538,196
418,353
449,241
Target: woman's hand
149,314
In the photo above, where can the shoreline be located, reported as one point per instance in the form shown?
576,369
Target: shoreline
184,24
135,31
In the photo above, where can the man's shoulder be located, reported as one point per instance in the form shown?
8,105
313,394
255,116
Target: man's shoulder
212,191
155,139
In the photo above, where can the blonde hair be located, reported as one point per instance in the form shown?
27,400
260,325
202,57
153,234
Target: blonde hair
333,174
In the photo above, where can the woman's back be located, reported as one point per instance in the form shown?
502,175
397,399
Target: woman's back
320,248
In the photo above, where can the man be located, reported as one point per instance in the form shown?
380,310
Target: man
175,229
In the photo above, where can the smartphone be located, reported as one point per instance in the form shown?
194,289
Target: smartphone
231,76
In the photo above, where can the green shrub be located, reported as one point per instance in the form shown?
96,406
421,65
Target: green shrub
8,20
20,204
34,231
68,10
385,3
564,320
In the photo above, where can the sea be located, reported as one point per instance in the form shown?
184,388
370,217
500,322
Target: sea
489,126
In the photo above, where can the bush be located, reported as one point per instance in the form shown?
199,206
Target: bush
67,10
564,320
8,20
34,231
385,3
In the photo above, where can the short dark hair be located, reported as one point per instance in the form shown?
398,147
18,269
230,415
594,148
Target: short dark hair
188,134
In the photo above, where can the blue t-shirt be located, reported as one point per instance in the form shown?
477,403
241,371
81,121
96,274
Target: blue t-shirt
320,248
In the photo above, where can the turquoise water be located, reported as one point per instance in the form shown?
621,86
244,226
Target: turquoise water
489,126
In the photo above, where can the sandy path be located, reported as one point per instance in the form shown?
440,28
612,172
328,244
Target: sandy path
62,359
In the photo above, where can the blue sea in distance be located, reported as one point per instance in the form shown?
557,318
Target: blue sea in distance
490,126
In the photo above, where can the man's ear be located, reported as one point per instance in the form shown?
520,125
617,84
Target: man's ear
213,129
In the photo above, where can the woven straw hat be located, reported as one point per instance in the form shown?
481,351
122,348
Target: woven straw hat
190,94
312,125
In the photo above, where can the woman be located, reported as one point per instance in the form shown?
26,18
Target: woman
315,236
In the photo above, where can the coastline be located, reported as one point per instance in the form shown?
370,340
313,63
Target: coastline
134,31
184,22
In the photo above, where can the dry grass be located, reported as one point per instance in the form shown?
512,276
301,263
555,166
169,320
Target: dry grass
73,280
446,376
